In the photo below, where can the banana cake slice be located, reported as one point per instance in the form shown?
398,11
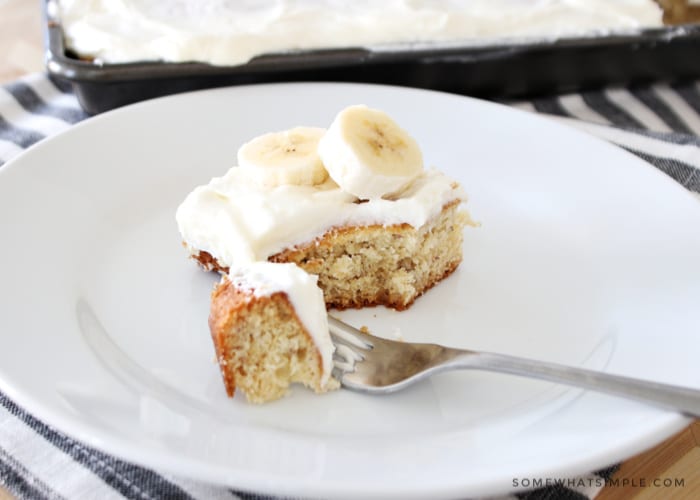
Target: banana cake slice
352,205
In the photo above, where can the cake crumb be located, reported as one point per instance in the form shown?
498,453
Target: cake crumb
364,329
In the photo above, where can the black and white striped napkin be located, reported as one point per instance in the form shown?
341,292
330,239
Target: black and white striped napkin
659,123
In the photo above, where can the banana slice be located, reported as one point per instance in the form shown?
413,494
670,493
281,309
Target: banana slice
282,158
368,155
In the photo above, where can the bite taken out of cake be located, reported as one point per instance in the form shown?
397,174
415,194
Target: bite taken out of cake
269,327
352,206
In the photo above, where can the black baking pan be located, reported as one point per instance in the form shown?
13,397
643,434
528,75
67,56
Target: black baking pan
494,71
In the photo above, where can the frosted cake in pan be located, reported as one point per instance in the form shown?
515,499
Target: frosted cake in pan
231,32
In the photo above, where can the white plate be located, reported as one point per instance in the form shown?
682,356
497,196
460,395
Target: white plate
586,256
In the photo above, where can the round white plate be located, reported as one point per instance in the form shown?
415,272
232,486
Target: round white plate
586,256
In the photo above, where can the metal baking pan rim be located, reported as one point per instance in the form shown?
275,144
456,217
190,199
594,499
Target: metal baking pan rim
60,64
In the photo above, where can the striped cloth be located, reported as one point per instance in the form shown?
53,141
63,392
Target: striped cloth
659,123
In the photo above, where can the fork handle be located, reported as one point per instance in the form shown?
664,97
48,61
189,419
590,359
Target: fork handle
682,399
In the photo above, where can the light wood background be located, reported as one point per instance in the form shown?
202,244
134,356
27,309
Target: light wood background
678,458
21,46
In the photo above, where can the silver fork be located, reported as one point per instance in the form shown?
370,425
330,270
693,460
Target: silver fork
375,365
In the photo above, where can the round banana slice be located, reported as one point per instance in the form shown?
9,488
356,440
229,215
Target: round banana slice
368,155
283,158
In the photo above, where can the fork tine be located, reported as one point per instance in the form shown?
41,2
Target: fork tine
343,366
345,358
348,347
348,335
347,353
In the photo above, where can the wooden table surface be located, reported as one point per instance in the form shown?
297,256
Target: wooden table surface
677,459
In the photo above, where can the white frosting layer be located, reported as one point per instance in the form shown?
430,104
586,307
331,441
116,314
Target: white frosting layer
266,278
238,222
241,223
230,32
